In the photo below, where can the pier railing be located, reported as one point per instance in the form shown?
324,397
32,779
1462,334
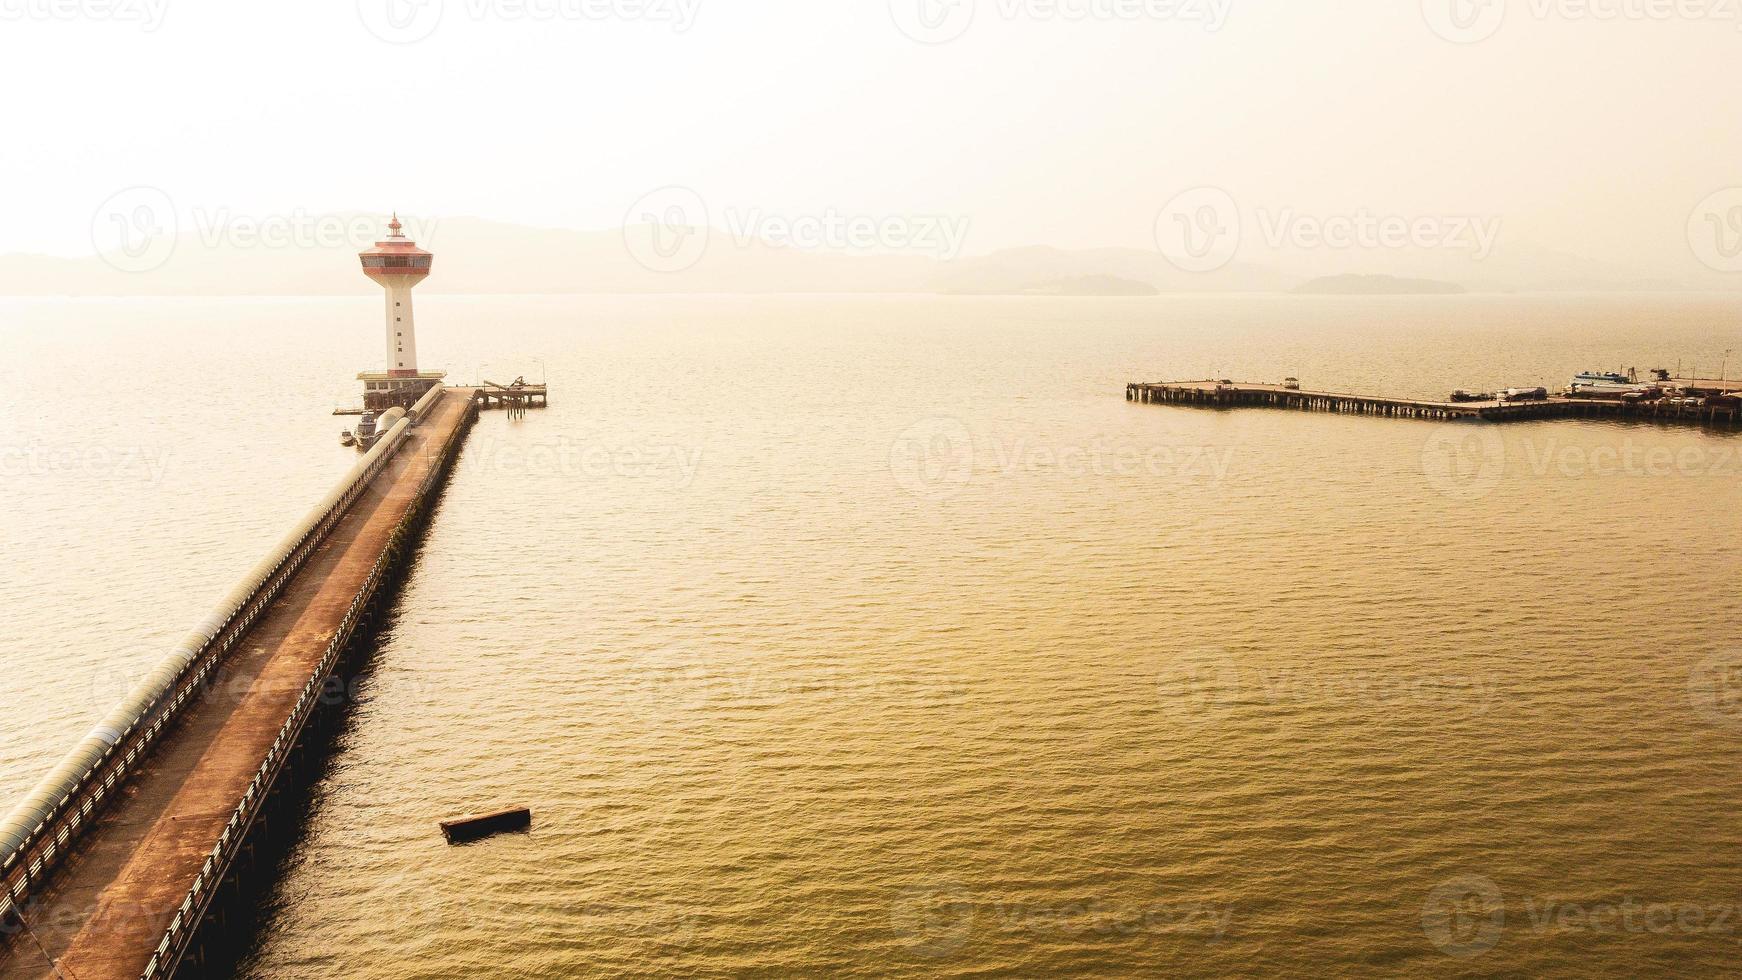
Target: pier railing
184,924
41,830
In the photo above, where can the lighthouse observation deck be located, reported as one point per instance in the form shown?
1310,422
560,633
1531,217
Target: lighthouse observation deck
112,876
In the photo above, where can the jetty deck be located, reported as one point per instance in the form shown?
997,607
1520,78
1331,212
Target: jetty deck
1226,394
122,902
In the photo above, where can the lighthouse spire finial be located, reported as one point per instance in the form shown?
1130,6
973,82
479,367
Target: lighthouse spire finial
394,226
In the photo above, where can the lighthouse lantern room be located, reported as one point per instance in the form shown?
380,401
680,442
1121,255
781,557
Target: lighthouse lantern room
397,264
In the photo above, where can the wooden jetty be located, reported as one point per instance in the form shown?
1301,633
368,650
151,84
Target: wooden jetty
516,398
1717,411
117,879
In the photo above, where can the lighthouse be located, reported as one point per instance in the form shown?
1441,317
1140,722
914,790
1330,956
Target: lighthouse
397,264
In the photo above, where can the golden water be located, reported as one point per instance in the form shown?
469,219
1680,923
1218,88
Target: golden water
868,636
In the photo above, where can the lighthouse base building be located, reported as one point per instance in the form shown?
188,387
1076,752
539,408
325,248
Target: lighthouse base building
397,264
382,390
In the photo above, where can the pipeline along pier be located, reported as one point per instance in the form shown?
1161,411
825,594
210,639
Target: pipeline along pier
109,867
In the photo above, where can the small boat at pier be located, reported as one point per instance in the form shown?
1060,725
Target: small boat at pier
366,431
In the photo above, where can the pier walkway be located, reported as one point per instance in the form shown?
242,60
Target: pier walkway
1216,394
128,890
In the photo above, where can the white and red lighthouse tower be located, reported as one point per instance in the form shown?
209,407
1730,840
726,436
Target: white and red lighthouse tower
397,264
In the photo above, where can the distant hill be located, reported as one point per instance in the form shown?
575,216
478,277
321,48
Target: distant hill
478,256
1358,285
1015,271
1077,286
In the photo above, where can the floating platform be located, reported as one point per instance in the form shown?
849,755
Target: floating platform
1225,394
473,827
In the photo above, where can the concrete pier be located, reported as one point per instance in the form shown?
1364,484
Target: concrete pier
1217,394
116,881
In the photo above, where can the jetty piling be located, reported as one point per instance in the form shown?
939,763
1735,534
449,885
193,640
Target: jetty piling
1719,412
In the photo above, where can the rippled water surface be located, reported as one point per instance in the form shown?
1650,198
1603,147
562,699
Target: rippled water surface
882,636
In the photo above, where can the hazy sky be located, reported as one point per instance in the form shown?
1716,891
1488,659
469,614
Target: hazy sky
1593,126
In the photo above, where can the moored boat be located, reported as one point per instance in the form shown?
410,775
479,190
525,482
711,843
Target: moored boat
1600,378
366,430
1524,394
